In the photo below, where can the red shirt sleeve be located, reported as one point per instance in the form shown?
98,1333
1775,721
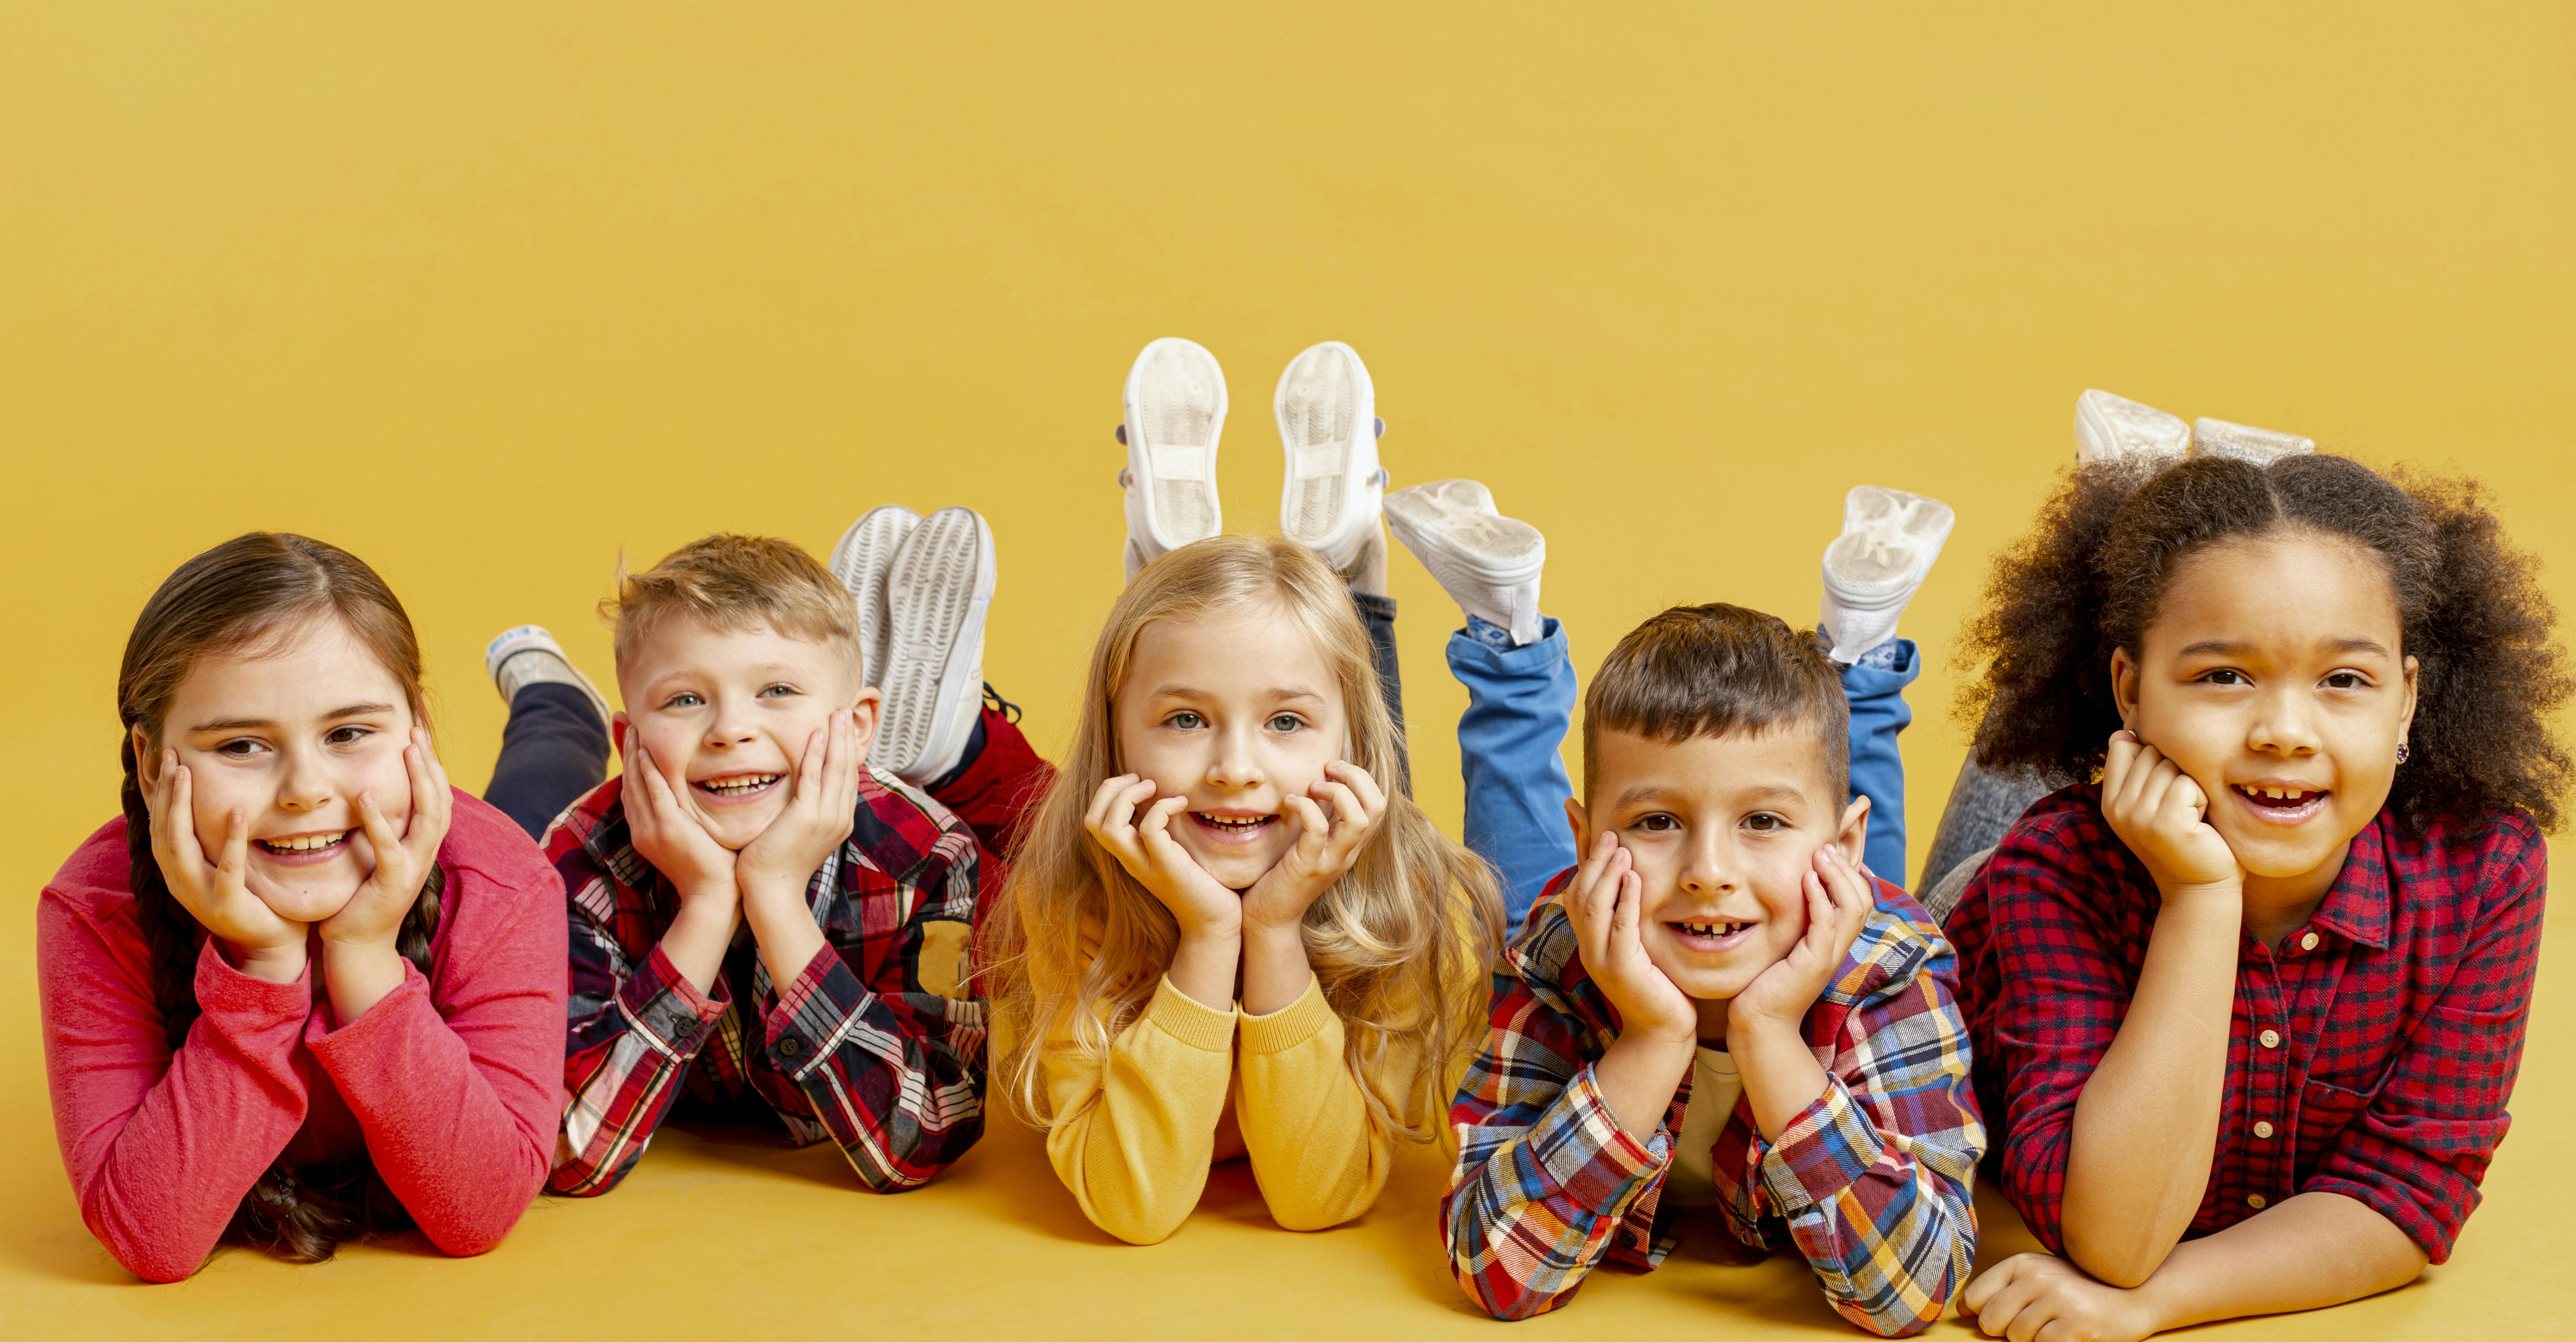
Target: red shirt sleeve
457,1078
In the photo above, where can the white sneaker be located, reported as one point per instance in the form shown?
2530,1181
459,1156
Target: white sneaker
2218,438
1889,541
860,562
2112,427
529,655
1330,491
1175,412
1488,563
937,591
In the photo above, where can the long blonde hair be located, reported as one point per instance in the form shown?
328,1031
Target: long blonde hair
1401,943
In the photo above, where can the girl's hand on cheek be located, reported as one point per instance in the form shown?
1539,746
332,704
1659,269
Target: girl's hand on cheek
217,892
375,913
1325,848
2162,814
1143,844
666,835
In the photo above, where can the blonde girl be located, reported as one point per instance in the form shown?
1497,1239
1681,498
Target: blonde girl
1223,936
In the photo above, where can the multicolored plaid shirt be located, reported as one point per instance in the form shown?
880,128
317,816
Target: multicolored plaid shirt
1871,1183
875,1045
2371,1051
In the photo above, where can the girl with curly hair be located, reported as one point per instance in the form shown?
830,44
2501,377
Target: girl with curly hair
2247,1007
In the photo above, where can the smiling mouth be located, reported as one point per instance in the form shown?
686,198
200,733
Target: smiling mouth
1234,827
2284,805
734,787
305,847
1709,937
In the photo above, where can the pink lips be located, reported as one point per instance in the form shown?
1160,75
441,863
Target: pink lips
2281,810
1709,945
1232,833
708,794
301,857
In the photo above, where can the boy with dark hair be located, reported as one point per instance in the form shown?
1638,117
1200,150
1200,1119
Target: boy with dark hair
1720,1011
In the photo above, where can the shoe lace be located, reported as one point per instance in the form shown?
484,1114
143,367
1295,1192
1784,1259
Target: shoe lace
993,700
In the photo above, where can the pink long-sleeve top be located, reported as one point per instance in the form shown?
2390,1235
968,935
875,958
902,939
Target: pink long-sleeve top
452,1083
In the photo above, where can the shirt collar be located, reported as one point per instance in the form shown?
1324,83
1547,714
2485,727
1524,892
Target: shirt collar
2356,908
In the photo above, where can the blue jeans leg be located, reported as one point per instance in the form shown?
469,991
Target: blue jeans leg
553,750
1520,701
1878,713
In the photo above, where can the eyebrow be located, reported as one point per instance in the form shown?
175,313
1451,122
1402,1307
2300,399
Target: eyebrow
2220,647
1194,692
245,724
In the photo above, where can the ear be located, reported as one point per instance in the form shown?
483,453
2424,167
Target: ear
866,712
1580,821
618,725
2124,686
1853,837
147,761
2406,715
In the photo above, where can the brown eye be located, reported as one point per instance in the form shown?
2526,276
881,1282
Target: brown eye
1762,822
1658,823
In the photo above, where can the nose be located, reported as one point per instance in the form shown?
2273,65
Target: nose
2284,722
731,726
1236,760
305,786
1705,870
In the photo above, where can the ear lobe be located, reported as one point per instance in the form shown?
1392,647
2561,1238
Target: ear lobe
2124,687
147,761
1580,821
618,726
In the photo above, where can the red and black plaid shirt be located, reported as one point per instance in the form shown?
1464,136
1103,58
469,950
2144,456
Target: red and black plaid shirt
2370,1054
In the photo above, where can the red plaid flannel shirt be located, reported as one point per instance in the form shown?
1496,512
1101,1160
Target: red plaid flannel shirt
875,1045
2369,1056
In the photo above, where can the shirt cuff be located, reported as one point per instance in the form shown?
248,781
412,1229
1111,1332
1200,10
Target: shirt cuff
1584,1151
1287,1027
1824,1149
1188,1020
814,1012
242,1001
325,1037
673,1015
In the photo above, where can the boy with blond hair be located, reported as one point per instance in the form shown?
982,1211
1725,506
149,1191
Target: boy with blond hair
764,927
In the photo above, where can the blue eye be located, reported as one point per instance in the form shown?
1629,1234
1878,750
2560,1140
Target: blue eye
684,699
778,690
1185,720
1287,722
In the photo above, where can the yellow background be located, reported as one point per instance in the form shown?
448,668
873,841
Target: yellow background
494,294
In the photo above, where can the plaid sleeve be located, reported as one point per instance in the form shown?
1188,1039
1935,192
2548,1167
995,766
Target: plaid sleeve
1545,1174
2063,994
1875,1178
632,1025
895,1070
2417,1152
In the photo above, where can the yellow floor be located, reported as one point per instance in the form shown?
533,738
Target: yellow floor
496,294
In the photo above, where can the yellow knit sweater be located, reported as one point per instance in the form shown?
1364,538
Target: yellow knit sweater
1147,1123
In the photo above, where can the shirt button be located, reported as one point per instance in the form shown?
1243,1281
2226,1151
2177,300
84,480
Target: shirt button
2270,1038
2308,942
2254,1200
2263,1130
791,1046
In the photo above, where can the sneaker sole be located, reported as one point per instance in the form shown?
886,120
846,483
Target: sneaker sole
1867,510
510,643
937,592
1175,402
860,561
1326,408
1457,520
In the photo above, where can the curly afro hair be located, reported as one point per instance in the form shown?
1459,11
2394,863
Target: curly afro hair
2088,579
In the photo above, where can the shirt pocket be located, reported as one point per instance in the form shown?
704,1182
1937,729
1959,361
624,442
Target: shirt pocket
2325,1110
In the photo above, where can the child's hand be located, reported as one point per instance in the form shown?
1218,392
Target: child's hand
2162,815
2028,1293
1323,851
1609,913
374,914
668,835
218,893
819,815
1145,847
1839,899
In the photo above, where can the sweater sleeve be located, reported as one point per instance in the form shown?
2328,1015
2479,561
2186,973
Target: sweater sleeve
1317,1151
1135,1131
457,1081
161,1144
